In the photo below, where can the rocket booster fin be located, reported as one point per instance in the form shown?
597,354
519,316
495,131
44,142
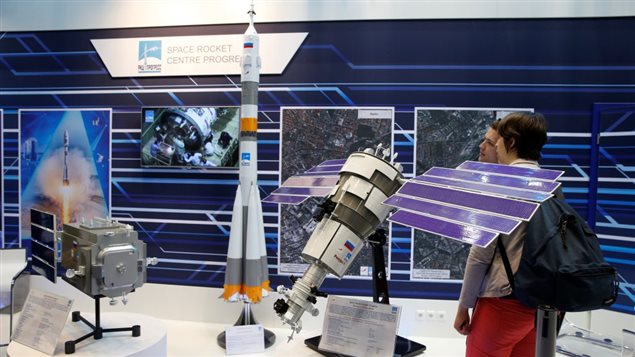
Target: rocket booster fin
255,238
263,247
234,268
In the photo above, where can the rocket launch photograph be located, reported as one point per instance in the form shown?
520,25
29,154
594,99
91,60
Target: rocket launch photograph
65,164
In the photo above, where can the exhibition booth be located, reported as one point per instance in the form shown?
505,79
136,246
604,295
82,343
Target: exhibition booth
175,171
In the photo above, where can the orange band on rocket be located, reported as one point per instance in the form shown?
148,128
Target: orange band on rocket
248,124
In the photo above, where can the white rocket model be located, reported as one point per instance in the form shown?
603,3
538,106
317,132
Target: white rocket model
246,274
65,181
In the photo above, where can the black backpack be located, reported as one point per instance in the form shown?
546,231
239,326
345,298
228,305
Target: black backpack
561,264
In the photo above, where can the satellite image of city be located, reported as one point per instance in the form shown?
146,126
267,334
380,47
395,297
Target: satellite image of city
445,137
309,137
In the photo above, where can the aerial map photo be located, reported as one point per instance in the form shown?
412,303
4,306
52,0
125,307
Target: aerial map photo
446,137
309,137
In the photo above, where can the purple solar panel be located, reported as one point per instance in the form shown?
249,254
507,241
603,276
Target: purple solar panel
326,173
464,234
499,190
493,179
339,162
541,174
302,191
500,205
496,223
285,199
307,181
324,169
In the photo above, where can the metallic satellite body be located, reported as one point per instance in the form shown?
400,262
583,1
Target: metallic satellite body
247,273
365,182
103,258
352,212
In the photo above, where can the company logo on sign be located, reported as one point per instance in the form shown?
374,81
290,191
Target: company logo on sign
149,116
149,57
194,55
245,158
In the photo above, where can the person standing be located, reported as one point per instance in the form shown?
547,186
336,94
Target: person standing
500,326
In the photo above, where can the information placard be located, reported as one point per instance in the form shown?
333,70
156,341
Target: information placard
359,328
244,339
42,320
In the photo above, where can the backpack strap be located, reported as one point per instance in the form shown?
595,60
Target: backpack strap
508,267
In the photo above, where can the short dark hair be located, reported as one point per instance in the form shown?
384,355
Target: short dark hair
494,124
528,131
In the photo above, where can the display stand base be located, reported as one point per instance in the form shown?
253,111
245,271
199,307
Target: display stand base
98,331
403,347
247,318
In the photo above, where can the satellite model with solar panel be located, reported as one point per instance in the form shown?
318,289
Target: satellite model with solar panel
473,203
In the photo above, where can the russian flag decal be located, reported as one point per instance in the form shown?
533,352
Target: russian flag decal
350,246
248,45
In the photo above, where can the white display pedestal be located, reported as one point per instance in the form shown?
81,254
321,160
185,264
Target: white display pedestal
189,338
194,316
151,343
13,261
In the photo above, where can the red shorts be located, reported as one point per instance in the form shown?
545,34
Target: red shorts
501,328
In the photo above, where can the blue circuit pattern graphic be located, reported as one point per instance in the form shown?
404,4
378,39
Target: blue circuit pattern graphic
559,67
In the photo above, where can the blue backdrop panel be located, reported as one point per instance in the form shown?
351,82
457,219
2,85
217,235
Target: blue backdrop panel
11,211
615,193
1,186
559,67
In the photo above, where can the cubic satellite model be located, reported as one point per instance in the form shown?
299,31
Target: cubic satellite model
473,203
104,258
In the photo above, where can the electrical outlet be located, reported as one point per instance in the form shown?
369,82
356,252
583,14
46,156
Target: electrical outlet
441,315
430,315
421,315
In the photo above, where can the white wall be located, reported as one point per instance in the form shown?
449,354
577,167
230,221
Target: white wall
33,15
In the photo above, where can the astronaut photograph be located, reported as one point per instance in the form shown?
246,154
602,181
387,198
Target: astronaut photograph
191,137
